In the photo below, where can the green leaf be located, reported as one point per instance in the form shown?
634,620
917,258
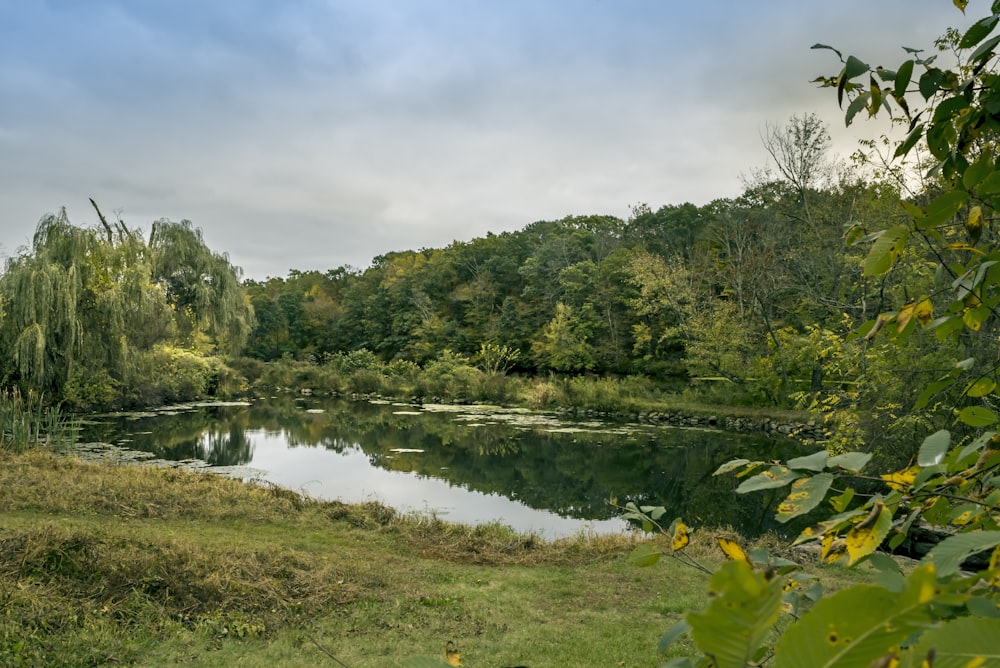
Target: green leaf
990,185
979,30
930,82
980,606
985,49
976,445
903,76
942,209
731,465
645,555
841,501
805,495
977,171
911,140
776,476
980,387
850,461
854,68
740,616
948,555
949,108
934,447
856,105
672,634
856,626
962,643
885,250
814,462
977,416
824,46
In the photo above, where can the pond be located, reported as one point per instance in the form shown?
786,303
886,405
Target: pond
547,473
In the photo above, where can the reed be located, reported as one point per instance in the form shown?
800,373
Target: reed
25,421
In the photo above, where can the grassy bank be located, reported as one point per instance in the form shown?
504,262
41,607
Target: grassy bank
122,565
134,566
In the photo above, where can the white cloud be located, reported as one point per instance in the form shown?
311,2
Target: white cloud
309,135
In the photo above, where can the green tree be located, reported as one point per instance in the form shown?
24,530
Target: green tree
940,613
202,287
82,308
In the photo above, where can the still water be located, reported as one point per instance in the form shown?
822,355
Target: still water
541,472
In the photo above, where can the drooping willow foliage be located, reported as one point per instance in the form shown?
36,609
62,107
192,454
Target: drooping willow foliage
82,307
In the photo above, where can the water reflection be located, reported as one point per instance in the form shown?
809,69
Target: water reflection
533,471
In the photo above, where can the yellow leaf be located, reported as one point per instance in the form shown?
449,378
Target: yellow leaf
832,548
901,479
451,654
865,537
681,536
995,567
904,316
974,225
732,550
964,518
924,311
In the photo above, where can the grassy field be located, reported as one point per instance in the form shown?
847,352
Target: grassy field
102,564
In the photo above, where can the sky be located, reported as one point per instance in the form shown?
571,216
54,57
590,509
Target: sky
310,134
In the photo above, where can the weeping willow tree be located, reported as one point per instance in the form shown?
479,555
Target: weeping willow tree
81,308
202,287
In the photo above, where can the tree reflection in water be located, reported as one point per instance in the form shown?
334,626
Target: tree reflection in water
548,462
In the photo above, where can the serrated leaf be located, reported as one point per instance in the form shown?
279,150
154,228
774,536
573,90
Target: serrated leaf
850,461
855,627
948,555
934,447
977,416
740,616
885,250
856,105
814,462
990,185
865,537
977,171
942,209
967,642
804,496
977,32
985,49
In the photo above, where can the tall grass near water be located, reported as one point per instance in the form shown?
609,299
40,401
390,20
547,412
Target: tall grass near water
26,421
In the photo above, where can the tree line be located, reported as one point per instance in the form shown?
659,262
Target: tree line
747,300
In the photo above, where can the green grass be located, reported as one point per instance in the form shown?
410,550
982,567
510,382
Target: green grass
134,566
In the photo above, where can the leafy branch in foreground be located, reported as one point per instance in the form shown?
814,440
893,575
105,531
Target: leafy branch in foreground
945,611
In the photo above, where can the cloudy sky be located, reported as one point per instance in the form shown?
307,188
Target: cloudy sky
310,134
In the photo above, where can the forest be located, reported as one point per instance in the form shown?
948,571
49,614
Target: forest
864,290
751,301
